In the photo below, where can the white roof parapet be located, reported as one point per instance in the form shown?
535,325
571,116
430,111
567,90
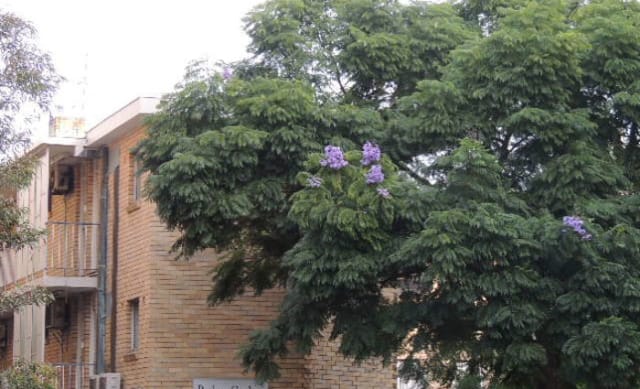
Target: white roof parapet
125,119
50,141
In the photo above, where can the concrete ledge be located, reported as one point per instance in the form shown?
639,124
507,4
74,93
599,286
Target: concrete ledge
71,284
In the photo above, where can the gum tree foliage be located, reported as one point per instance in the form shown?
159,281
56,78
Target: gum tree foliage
509,241
27,83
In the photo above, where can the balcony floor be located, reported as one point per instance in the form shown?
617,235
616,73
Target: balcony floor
71,284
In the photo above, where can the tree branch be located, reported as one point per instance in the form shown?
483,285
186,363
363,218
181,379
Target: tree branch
412,173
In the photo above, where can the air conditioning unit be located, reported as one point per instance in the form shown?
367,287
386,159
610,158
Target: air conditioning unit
105,381
62,180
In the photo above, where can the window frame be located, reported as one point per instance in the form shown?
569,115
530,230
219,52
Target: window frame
134,317
135,192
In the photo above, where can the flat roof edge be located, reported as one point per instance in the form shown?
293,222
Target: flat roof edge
43,143
108,128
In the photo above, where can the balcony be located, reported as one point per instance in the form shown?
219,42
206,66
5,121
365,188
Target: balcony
71,256
73,375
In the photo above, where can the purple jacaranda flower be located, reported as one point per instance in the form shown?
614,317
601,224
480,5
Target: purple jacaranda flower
227,73
370,153
577,225
333,158
314,181
375,175
384,192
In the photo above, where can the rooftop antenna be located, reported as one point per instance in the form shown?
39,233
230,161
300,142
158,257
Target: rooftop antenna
83,86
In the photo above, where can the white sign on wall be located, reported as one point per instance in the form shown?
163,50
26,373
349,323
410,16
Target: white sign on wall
227,383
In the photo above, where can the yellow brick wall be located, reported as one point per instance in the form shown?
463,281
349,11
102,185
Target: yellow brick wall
327,369
194,340
134,278
181,337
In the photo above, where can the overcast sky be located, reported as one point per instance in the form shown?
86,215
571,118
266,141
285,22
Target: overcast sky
125,49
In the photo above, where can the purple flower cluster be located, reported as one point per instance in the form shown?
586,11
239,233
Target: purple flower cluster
370,153
383,192
577,225
333,158
227,73
375,175
314,181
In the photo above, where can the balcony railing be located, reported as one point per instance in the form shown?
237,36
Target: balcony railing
71,249
73,375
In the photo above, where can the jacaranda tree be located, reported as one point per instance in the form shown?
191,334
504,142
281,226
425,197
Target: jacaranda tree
455,184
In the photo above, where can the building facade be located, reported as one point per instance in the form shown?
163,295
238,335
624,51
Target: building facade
125,309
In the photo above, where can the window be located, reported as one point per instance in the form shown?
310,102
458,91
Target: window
134,309
4,334
136,178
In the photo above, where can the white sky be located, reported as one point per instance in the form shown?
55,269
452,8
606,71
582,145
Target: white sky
131,48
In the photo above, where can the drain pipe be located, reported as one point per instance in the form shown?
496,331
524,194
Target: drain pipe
102,264
115,235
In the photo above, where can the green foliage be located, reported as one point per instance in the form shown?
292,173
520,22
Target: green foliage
230,174
27,79
496,120
29,375
26,76
15,231
22,296
366,50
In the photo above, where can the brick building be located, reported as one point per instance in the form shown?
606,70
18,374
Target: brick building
123,304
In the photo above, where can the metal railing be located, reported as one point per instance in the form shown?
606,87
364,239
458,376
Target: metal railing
73,375
72,249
